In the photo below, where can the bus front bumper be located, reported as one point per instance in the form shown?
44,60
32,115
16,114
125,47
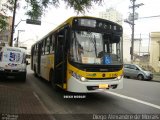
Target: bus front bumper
75,85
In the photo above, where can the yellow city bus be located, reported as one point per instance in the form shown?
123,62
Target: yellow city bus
83,54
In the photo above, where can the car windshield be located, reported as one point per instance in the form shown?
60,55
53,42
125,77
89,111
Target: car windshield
93,48
141,68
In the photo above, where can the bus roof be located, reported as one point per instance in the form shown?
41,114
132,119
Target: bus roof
69,21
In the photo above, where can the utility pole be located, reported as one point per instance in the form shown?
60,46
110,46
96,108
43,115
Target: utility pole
132,39
131,20
13,21
140,45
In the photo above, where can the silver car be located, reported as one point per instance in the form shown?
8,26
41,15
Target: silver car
135,71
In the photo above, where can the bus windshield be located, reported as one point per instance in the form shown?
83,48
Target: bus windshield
94,48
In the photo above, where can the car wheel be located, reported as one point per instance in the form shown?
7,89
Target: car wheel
140,77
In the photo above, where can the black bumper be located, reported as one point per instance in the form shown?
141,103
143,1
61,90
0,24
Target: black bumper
15,73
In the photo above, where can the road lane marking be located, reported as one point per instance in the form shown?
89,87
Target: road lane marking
37,97
44,107
134,99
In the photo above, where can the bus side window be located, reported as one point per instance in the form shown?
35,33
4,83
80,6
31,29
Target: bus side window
47,45
33,49
52,45
0,56
43,47
35,52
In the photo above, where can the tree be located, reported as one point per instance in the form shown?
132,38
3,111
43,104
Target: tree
3,22
35,8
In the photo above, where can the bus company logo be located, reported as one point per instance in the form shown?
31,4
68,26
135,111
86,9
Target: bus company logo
92,75
103,75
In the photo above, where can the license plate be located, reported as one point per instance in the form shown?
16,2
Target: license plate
103,86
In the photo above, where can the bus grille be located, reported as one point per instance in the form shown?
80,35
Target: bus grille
100,78
99,69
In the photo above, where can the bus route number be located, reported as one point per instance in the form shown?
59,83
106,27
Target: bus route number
113,75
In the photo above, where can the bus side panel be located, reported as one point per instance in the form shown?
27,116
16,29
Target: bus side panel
47,63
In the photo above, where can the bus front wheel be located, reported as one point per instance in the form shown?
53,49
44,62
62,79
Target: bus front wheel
51,79
35,73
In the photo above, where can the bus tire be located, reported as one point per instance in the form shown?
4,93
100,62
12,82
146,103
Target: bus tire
51,79
35,73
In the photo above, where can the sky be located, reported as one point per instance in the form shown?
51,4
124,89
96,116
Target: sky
55,16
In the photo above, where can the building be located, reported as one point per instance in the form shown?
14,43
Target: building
126,48
5,35
155,51
112,15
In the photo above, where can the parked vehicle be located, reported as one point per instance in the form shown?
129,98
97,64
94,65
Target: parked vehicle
135,71
13,62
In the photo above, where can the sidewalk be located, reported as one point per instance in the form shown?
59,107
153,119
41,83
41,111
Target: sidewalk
156,77
19,104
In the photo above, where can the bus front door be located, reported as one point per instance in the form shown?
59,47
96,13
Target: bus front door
39,59
60,60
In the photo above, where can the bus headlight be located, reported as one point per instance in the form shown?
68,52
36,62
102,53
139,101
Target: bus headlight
75,75
119,77
1,69
83,79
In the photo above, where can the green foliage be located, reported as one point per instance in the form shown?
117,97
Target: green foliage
81,5
9,5
35,8
3,23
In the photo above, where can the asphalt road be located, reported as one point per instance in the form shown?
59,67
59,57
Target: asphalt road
137,97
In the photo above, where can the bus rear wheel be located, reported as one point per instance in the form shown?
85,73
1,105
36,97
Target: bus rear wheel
51,79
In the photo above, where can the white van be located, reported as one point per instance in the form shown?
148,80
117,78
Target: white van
13,62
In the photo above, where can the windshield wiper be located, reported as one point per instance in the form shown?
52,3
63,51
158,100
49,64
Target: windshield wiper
95,46
76,41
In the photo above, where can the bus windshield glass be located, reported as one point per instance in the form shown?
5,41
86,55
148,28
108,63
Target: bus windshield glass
95,48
